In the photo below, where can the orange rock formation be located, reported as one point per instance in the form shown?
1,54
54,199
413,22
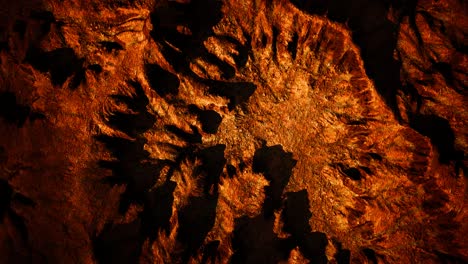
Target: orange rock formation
157,131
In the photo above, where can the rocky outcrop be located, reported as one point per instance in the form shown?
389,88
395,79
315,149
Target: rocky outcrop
279,131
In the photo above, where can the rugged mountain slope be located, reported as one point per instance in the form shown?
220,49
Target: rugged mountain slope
233,131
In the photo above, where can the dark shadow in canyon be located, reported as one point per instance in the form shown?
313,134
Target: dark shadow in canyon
137,121
350,172
194,137
162,82
119,243
62,63
292,46
441,134
13,112
210,252
197,218
131,165
370,255
195,221
209,119
276,165
213,162
167,18
254,240
296,217
237,92
158,209
342,255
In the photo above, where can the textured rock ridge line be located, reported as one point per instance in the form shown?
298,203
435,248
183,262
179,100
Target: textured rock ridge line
219,131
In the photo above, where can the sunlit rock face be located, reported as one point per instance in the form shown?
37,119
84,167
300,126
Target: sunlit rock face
233,131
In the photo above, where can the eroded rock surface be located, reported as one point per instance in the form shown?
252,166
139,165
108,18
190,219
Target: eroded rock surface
233,131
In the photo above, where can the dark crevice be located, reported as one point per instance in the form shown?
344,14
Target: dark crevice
320,38
446,71
350,172
137,102
209,119
195,221
365,169
276,165
255,242
210,252
198,217
228,72
354,214
20,225
375,156
166,18
275,43
61,63
124,150
95,68
161,81
3,158
118,243
179,60
243,51
78,78
194,137
158,210
23,199
132,124
296,217
264,40
132,167
13,112
213,162
46,16
353,173
441,134
231,170
437,200
242,166
342,256
253,239
370,255
357,122
237,92
292,46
